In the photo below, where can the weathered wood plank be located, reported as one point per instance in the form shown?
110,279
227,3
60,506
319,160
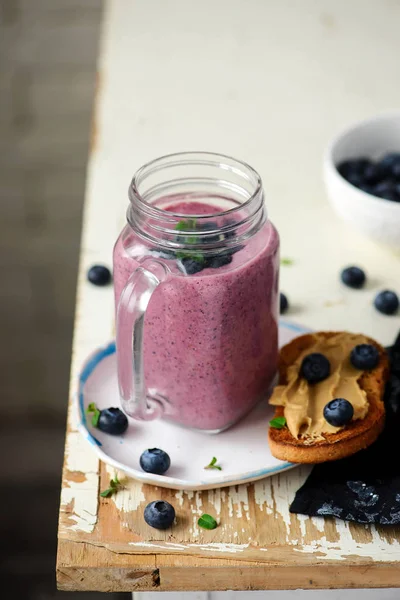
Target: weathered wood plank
104,544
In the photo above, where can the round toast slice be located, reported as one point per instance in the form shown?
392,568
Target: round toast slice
355,436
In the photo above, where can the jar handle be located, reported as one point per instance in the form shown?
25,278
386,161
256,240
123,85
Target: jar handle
131,311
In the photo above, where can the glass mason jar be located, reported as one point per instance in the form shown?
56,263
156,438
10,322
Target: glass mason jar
196,289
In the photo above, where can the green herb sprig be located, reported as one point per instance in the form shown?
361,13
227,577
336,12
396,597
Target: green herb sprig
278,422
115,486
92,409
288,262
213,464
207,522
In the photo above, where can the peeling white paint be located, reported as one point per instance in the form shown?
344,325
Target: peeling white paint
219,547
82,497
214,498
237,497
130,497
78,458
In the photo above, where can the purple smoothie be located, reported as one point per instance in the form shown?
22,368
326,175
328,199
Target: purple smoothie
211,338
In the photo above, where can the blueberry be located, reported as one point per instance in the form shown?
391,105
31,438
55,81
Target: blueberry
396,171
385,189
155,460
353,277
218,260
112,420
283,303
367,188
356,165
364,356
99,275
355,179
389,161
229,234
338,412
159,514
373,173
387,302
315,367
192,266
211,226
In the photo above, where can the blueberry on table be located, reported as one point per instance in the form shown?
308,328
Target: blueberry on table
155,461
353,277
99,275
338,412
113,421
315,367
387,302
159,514
364,356
283,303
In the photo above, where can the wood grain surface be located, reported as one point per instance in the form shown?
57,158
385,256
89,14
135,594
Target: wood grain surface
104,544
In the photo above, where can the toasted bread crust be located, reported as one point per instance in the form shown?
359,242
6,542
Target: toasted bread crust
355,436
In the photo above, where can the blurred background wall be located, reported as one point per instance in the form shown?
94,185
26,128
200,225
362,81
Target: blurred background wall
48,52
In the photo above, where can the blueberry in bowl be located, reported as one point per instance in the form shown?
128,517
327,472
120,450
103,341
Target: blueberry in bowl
362,176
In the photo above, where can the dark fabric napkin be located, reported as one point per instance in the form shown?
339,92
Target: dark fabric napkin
366,486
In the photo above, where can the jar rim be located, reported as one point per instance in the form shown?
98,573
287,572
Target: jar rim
198,158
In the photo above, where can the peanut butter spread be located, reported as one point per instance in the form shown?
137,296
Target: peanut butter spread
304,402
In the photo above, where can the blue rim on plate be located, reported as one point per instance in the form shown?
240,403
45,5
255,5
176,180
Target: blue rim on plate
89,367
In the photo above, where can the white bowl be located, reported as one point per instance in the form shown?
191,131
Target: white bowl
375,217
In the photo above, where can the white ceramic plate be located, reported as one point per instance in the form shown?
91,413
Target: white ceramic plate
242,451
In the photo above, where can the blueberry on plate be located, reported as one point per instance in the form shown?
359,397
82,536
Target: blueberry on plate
113,421
353,277
315,367
99,275
159,514
283,303
155,461
338,412
387,302
364,356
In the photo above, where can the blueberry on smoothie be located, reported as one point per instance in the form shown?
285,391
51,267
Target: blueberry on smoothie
218,260
155,461
191,265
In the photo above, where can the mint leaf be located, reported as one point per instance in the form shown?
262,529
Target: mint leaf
115,485
287,261
186,225
207,522
278,422
92,408
193,255
213,464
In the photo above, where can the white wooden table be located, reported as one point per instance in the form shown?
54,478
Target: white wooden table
267,82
